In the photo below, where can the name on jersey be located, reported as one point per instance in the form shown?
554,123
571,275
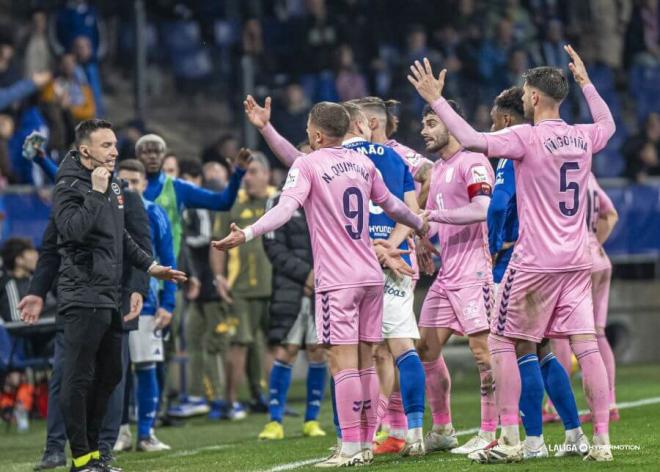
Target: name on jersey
371,150
558,142
344,167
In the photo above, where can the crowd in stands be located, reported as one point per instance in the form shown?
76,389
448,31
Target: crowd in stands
304,51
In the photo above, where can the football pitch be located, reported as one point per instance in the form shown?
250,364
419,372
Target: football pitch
225,446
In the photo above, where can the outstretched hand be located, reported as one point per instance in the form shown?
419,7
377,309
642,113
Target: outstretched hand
428,87
423,231
257,115
390,257
167,273
235,238
577,67
243,158
30,308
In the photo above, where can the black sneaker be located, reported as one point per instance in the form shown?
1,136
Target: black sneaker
51,460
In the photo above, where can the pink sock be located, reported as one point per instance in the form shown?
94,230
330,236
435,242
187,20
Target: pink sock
438,387
561,348
507,378
381,411
395,411
488,408
594,381
348,392
609,361
370,390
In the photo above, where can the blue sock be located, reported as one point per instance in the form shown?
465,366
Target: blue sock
413,384
531,395
147,397
280,379
558,386
316,374
335,417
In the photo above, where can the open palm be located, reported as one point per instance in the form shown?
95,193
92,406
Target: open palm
257,115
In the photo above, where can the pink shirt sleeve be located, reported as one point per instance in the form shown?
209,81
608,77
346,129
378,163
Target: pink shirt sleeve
509,143
603,127
473,212
461,129
283,149
379,192
274,218
298,182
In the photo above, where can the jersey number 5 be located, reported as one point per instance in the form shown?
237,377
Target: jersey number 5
566,186
358,213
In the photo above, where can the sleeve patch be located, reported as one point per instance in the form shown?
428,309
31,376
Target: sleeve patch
481,188
479,174
292,179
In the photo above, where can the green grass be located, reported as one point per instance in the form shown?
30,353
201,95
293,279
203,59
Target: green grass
226,446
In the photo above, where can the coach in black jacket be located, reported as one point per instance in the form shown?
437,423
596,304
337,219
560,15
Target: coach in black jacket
135,285
88,212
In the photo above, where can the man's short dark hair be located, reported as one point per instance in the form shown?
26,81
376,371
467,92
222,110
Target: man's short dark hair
331,118
453,104
549,80
510,101
190,166
392,108
12,249
87,127
132,165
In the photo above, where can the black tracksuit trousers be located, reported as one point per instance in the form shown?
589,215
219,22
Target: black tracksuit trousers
91,368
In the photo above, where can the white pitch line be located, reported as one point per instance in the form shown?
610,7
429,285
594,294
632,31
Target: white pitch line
465,432
192,452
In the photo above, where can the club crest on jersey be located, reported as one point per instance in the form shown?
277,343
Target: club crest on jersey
449,175
115,188
291,179
413,158
479,174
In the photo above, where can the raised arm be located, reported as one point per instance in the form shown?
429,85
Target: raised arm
603,127
395,208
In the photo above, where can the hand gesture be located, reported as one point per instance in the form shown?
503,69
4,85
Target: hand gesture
235,238
136,307
163,318
390,257
425,251
41,78
167,273
577,67
243,158
34,145
223,288
423,231
30,307
100,179
193,288
309,284
428,87
257,115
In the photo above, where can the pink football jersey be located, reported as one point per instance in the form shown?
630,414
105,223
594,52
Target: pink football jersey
598,204
463,248
334,186
552,166
413,159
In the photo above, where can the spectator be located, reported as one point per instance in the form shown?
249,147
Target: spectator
349,82
551,50
29,118
12,88
291,118
71,90
76,18
643,36
321,36
82,48
37,56
171,165
600,25
19,259
6,132
642,150
216,175
223,150
493,58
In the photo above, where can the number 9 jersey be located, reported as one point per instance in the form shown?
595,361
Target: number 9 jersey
334,186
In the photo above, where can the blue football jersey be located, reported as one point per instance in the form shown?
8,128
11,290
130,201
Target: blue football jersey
503,216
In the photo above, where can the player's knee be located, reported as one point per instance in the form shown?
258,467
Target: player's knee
316,353
479,347
525,347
